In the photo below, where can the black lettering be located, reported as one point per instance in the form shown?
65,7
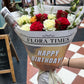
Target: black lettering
52,40
31,41
60,40
40,40
68,39
45,41
36,40
55,40
63,40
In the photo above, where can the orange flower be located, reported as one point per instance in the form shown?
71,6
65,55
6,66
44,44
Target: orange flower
33,19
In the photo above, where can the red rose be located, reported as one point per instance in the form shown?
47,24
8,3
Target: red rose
62,23
58,24
38,16
61,13
41,17
36,26
44,16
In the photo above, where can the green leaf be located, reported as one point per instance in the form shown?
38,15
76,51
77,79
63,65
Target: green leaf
81,17
24,23
67,11
74,24
81,9
73,10
72,13
72,3
21,9
32,11
77,2
69,28
77,14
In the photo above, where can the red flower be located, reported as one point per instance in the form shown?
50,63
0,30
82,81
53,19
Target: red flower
41,17
36,26
62,23
38,16
61,13
58,24
44,16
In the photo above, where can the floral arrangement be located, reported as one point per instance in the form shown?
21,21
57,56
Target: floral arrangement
62,20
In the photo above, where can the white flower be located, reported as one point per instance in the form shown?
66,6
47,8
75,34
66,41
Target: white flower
71,18
49,25
26,27
24,19
51,16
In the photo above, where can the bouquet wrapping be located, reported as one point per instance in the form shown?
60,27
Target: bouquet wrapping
47,34
47,49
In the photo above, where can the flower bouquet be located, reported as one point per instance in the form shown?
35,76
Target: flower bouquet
47,32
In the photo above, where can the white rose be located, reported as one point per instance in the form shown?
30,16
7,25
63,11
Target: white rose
51,16
49,25
24,19
26,27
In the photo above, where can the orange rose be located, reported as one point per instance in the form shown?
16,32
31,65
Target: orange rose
33,19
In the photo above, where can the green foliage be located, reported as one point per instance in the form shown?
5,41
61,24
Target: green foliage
73,8
69,28
32,11
22,10
74,5
74,24
74,2
82,16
